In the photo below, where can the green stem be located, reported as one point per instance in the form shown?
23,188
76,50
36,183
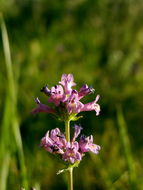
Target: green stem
70,172
67,129
70,180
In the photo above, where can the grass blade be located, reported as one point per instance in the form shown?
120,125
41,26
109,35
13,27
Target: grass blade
10,125
127,148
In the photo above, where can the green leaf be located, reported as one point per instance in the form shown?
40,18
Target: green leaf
68,168
75,118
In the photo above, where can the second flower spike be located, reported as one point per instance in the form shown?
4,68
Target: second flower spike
55,142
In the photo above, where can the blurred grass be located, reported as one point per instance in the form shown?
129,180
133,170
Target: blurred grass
10,133
101,43
127,149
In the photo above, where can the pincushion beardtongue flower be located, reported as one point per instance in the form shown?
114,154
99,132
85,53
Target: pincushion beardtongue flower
66,105
66,99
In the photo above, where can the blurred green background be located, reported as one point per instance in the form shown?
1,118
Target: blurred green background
101,43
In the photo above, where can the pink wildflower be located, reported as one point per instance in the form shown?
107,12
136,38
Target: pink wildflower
72,153
86,145
92,106
67,99
56,94
73,104
67,81
42,108
56,143
85,90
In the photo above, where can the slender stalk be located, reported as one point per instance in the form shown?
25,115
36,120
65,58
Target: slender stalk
67,129
70,181
70,172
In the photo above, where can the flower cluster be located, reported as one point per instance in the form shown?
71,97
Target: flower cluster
56,143
66,99
66,105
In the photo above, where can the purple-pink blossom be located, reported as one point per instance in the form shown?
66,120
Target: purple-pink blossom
73,104
42,108
55,142
92,106
67,81
63,96
72,153
56,94
86,145
85,90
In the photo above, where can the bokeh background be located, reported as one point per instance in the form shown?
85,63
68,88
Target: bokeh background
101,43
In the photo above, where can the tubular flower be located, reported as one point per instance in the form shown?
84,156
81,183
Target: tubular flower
73,105
67,99
56,94
86,145
92,106
54,142
77,130
67,81
46,90
42,108
85,90
72,153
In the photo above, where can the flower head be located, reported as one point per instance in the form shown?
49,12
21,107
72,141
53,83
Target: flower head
67,99
56,143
